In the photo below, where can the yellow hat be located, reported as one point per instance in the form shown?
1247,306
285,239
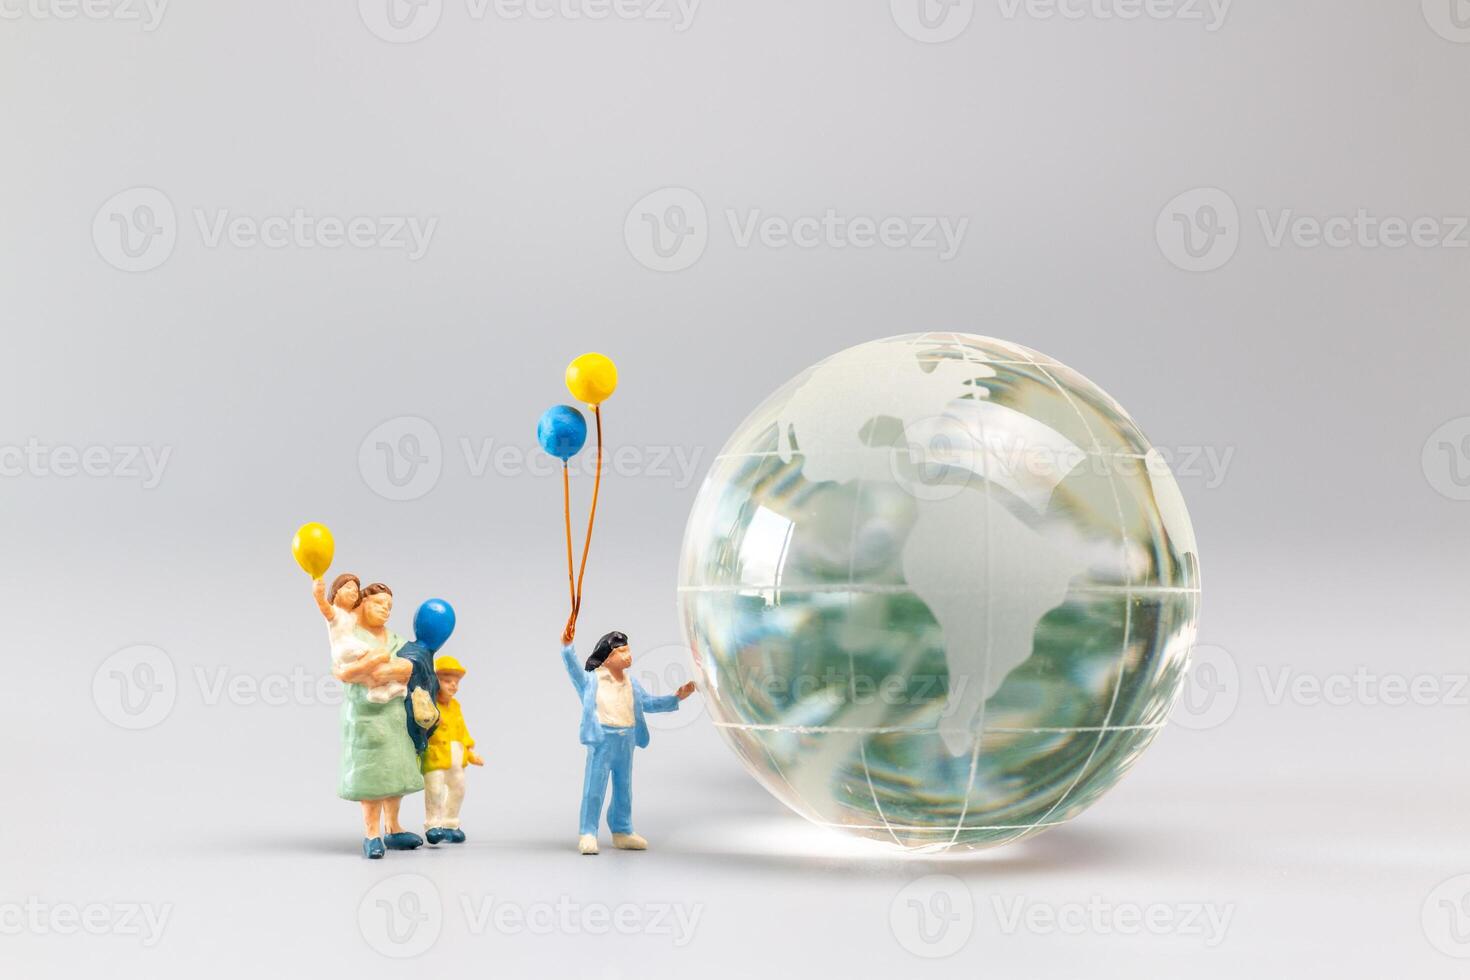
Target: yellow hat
448,665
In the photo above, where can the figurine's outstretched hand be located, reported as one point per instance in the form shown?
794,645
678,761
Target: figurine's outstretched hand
474,758
685,690
319,592
570,633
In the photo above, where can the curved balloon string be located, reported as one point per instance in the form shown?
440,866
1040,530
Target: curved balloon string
591,514
566,510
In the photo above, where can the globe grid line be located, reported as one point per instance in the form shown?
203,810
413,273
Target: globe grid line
1098,453
933,830
1127,607
852,663
877,588
979,725
927,730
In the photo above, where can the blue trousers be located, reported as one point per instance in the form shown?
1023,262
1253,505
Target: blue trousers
613,756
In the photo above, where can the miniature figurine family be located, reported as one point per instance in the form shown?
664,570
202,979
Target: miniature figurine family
403,730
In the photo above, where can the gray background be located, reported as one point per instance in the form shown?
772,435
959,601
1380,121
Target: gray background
1332,834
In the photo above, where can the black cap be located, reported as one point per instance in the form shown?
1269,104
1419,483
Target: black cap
605,647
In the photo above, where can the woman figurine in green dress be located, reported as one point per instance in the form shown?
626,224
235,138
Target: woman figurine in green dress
379,764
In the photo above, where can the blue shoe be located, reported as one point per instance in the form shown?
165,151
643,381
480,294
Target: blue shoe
439,835
372,847
402,841
458,837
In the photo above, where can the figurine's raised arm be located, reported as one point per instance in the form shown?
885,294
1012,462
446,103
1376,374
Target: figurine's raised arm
580,677
319,592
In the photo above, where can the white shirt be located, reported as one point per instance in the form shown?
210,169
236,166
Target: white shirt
349,646
614,700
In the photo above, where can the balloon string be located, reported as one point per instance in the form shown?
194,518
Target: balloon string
566,510
591,514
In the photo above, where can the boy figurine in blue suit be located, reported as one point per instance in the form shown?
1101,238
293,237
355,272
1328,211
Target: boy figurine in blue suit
613,706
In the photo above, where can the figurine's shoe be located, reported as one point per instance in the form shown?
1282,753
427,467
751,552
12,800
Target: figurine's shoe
630,842
458,837
372,847
439,835
402,841
587,844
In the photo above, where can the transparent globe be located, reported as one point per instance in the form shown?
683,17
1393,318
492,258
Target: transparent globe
941,590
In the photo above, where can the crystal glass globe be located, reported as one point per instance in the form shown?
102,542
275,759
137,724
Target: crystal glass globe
941,590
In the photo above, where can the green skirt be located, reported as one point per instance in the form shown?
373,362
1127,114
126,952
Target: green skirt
378,758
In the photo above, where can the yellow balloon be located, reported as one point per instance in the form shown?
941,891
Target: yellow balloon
592,378
313,547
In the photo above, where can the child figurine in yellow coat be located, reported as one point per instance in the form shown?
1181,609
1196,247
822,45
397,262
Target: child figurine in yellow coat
450,750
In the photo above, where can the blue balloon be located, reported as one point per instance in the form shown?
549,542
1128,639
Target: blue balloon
433,623
562,431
